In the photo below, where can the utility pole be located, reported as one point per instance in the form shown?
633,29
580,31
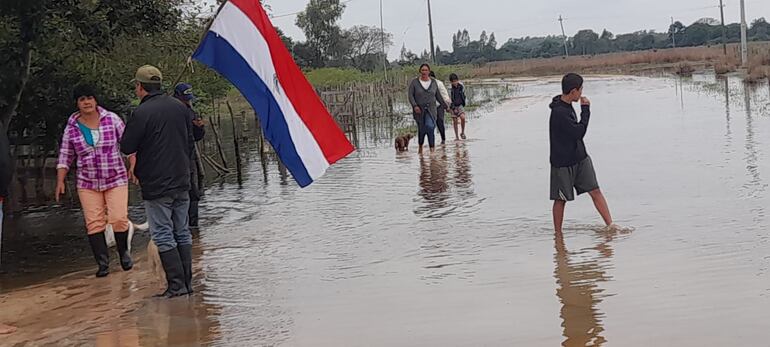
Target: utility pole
724,28
384,53
430,27
673,33
561,22
744,43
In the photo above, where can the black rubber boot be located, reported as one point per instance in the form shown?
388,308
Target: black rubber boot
185,253
101,253
172,265
121,241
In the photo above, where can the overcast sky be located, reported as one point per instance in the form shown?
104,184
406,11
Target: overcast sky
407,20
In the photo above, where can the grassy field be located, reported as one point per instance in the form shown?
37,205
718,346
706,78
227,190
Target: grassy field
673,60
333,77
679,60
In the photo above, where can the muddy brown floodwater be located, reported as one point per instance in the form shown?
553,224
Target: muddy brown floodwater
457,249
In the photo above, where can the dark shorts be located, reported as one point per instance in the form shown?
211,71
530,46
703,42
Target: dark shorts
457,111
580,177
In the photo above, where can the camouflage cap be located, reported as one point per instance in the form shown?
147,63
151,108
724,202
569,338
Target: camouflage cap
148,74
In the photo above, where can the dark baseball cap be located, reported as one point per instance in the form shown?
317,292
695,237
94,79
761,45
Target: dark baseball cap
184,91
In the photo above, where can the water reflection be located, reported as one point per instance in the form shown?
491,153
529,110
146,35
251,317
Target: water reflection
463,179
433,184
680,90
726,86
578,275
446,183
181,322
754,186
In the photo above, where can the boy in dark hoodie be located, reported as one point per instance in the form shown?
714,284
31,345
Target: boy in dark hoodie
571,167
458,104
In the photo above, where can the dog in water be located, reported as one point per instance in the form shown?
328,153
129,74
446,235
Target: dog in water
153,257
402,143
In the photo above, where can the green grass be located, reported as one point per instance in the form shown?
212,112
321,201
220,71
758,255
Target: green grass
330,77
333,77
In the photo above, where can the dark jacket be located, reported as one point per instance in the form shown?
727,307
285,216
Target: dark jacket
567,147
6,164
458,96
195,175
425,99
198,132
160,133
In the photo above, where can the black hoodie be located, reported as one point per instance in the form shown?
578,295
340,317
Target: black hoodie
567,147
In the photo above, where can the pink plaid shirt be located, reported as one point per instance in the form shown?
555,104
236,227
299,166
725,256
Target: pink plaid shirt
100,167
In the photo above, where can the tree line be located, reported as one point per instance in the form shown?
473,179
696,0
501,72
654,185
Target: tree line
361,47
585,42
329,45
49,46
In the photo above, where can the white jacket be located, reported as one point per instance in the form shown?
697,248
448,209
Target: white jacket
444,93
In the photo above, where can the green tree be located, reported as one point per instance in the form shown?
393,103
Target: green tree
697,34
676,32
464,39
47,46
407,57
319,23
492,43
760,30
366,45
586,41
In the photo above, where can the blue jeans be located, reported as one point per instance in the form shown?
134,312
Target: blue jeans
168,219
426,126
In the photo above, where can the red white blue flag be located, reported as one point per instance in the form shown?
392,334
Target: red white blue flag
244,47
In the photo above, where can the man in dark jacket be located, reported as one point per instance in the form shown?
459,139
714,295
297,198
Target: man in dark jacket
184,93
160,133
571,167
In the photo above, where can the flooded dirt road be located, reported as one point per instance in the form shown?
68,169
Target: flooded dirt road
457,249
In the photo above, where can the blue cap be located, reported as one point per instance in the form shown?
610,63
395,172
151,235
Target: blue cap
184,91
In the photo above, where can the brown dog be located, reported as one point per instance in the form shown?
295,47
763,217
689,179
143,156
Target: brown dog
402,143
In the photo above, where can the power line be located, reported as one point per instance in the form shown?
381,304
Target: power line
298,12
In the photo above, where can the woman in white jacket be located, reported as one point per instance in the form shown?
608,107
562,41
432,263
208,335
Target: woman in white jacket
441,110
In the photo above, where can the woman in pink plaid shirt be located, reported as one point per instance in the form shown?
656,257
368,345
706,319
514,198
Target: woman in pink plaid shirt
92,136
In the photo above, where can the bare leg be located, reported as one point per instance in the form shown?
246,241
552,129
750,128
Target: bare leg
419,149
462,121
456,122
601,205
558,215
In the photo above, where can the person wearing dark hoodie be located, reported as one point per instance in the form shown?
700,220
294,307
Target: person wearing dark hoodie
571,166
6,175
184,93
